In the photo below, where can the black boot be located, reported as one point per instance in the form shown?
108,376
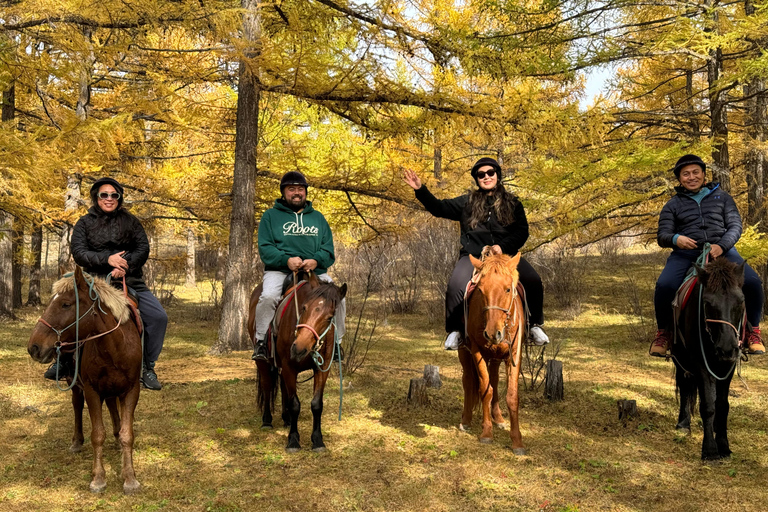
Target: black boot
63,369
149,377
260,351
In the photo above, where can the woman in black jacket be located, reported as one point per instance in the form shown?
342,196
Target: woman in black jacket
700,213
109,240
491,216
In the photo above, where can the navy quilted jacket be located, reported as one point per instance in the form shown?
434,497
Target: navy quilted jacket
716,220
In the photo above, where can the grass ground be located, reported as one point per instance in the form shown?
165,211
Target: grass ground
199,445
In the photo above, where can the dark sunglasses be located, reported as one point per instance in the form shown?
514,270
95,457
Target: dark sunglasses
107,195
490,174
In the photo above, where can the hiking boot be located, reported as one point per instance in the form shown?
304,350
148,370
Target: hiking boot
661,343
149,377
538,336
63,369
260,351
754,342
453,341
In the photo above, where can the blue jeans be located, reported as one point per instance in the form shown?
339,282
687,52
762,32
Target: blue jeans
155,321
673,276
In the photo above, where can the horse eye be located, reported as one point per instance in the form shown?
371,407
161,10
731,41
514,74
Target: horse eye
66,305
509,290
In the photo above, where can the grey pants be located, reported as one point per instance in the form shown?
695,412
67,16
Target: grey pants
155,321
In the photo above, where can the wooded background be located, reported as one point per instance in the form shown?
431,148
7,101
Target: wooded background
198,108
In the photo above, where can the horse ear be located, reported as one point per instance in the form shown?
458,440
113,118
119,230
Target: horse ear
80,279
343,290
314,282
516,259
478,264
701,274
740,273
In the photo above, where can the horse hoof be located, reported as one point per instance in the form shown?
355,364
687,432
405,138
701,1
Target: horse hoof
683,431
293,449
76,448
94,487
132,487
519,451
319,449
486,440
266,427
463,428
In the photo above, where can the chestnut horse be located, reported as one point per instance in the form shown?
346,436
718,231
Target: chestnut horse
706,351
90,319
306,344
495,333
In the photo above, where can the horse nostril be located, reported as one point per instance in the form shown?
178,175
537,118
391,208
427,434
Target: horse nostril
33,350
485,335
499,336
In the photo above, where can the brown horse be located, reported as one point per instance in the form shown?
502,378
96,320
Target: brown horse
306,344
91,319
495,331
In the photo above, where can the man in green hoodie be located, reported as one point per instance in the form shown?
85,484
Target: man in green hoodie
293,236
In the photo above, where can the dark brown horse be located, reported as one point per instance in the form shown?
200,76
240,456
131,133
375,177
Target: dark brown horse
706,352
306,344
90,319
495,331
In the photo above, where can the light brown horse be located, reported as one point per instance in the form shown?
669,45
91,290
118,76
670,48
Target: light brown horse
299,343
495,331
90,319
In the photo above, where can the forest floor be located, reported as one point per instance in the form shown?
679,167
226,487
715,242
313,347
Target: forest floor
199,445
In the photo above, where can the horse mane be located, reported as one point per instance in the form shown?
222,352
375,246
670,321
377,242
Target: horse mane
721,275
328,291
110,296
498,263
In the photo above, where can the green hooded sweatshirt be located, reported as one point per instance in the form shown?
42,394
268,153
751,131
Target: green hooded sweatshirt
284,234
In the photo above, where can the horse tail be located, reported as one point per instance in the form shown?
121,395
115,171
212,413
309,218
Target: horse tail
274,380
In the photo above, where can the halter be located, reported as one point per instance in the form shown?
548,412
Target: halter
508,312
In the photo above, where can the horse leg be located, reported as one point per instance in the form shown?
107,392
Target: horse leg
707,396
265,388
99,481
126,437
469,383
317,411
721,418
114,415
294,408
513,399
286,406
78,401
493,373
687,389
486,394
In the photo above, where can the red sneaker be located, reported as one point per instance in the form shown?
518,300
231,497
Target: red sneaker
661,343
755,342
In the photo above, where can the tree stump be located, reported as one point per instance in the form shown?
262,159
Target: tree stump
432,376
627,409
553,384
417,392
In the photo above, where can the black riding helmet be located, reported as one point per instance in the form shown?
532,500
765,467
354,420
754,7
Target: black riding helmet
482,163
293,178
106,181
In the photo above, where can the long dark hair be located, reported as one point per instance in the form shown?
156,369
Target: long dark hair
503,205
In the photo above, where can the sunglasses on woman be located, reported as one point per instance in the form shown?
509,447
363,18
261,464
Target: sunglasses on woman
490,174
109,195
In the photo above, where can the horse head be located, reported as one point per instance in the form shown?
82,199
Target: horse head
64,317
316,317
497,287
722,306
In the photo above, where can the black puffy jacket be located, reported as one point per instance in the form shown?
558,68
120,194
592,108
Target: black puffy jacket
510,238
716,220
99,235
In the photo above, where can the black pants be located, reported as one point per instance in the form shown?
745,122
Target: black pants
462,273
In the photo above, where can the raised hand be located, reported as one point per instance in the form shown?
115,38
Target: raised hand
412,179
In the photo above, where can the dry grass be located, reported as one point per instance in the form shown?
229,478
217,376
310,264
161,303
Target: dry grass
199,445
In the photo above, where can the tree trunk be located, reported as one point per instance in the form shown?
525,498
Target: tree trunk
232,329
438,164
693,120
33,296
17,263
191,245
417,392
71,200
721,166
553,383
6,270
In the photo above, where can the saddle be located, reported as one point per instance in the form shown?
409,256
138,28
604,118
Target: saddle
683,294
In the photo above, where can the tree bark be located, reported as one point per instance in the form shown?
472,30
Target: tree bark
71,200
6,270
553,383
438,164
17,262
232,329
721,166
33,295
191,245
